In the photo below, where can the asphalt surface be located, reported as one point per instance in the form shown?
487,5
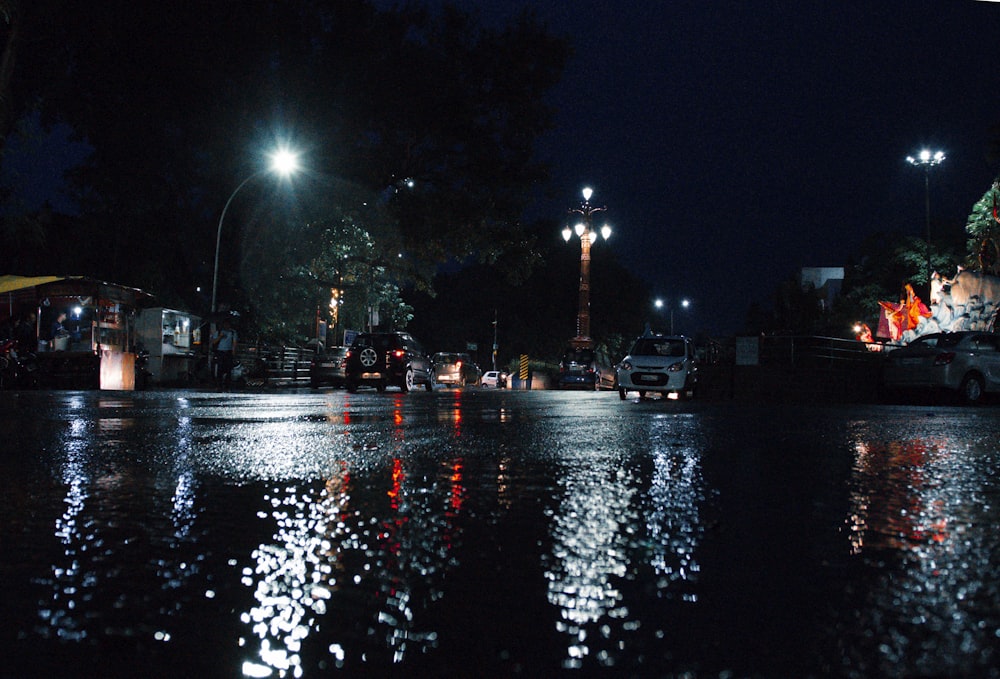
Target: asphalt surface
494,533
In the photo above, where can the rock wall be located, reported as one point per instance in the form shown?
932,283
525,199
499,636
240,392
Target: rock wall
969,301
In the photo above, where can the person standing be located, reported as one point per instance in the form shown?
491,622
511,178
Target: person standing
224,343
26,334
58,329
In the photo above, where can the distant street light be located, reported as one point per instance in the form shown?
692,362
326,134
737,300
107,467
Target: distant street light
584,230
283,162
927,159
659,304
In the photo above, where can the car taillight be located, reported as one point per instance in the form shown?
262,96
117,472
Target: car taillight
944,358
347,355
398,353
458,364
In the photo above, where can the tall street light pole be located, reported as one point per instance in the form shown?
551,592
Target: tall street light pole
927,159
284,163
585,231
684,305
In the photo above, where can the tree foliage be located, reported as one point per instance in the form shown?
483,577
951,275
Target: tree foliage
181,103
984,232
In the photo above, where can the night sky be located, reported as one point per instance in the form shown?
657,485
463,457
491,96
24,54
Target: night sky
735,142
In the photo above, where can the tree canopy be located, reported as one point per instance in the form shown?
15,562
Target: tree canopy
417,130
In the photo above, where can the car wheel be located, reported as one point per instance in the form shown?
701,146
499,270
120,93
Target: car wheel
429,385
971,390
407,384
621,393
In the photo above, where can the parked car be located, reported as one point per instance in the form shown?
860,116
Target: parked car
495,379
659,363
966,363
457,370
328,366
584,369
387,359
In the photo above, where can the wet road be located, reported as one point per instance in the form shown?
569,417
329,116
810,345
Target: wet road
485,533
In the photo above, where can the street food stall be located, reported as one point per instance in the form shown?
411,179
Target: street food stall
173,339
85,328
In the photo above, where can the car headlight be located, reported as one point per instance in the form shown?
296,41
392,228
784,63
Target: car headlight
626,365
676,367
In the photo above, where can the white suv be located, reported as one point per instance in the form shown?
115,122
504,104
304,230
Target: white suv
660,363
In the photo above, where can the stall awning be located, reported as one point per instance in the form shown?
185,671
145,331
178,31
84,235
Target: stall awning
25,288
12,283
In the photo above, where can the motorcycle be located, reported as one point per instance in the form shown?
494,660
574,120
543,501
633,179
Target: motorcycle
17,370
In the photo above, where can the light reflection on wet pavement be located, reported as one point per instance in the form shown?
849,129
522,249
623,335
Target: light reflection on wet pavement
495,534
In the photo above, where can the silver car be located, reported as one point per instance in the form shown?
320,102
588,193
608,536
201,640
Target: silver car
457,370
967,363
659,363
328,366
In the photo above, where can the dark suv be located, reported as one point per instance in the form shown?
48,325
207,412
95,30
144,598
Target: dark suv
387,359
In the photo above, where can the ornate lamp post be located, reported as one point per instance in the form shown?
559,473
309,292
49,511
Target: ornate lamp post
585,231
927,159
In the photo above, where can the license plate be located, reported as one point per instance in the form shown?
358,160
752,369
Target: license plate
648,378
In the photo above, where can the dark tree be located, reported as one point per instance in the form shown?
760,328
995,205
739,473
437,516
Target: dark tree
181,103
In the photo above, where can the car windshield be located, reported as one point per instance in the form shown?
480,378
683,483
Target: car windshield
658,347
446,358
949,340
939,341
380,342
578,356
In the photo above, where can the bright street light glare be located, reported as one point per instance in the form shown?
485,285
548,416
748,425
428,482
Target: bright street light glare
587,193
285,162
926,158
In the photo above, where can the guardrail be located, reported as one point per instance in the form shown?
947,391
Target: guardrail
275,366
794,349
799,369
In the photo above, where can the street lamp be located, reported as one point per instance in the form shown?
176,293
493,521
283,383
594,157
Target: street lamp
659,303
283,162
584,230
927,159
